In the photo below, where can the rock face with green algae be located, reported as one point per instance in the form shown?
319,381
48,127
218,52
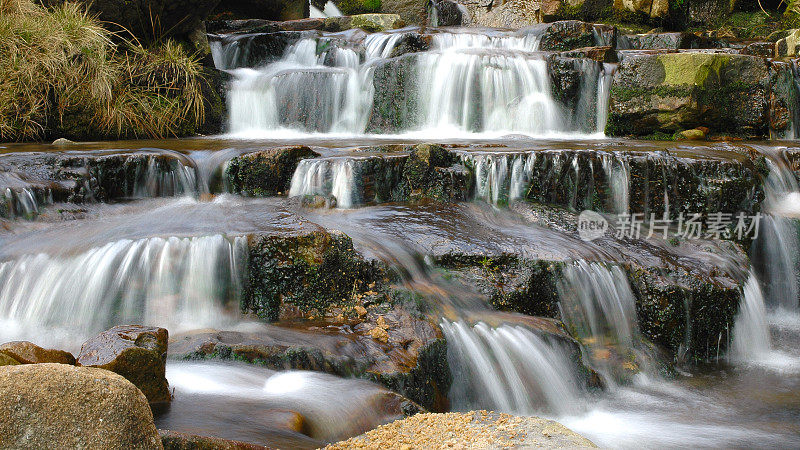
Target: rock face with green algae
137,353
432,172
267,172
677,91
47,405
372,23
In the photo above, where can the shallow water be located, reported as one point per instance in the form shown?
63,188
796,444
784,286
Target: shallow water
754,401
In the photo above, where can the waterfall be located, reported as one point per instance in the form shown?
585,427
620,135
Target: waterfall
160,181
23,202
604,96
329,10
465,83
508,369
179,283
618,173
751,331
483,91
305,91
597,304
326,177
210,166
500,178
776,251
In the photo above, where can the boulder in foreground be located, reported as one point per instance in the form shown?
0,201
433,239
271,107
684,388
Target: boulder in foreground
137,353
475,429
49,405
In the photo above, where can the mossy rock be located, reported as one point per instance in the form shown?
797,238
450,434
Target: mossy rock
676,91
264,173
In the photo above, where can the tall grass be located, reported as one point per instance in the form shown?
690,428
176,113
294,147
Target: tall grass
61,73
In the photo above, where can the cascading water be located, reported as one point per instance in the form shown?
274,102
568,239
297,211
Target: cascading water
509,369
180,283
466,82
326,177
159,181
23,202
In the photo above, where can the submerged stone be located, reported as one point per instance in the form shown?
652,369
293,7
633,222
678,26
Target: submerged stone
28,353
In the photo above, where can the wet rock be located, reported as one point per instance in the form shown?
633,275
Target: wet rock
762,49
30,353
412,43
75,407
264,46
172,440
474,429
368,22
62,142
604,54
395,101
782,99
410,358
305,274
709,12
431,172
261,9
267,172
214,87
667,41
137,353
676,91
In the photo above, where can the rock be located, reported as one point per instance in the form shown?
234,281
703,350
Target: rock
267,172
512,14
762,49
412,12
29,353
394,105
262,9
214,87
693,135
788,46
172,440
474,429
666,41
6,360
447,13
782,96
604,54
62,142
567,35
431,172
304,274
652,9
709,12
676,91
410,356
137,353
368,22
47,405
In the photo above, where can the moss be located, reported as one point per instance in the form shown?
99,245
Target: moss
353,7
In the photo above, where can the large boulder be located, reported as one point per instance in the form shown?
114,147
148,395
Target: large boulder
474,429
57,405
28,353
677,91
789,45
413,12
137,353
511,14
653,9
372,23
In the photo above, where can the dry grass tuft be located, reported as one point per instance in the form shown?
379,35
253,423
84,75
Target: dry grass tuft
63,75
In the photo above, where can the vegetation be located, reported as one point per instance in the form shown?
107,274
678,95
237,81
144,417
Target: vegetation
64,75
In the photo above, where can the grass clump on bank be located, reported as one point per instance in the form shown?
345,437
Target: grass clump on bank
63,75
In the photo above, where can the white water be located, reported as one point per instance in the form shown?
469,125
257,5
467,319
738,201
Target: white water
508,369
22,202
326,177
470,83
177,283
329,10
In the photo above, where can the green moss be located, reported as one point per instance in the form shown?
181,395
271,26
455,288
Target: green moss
353,7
